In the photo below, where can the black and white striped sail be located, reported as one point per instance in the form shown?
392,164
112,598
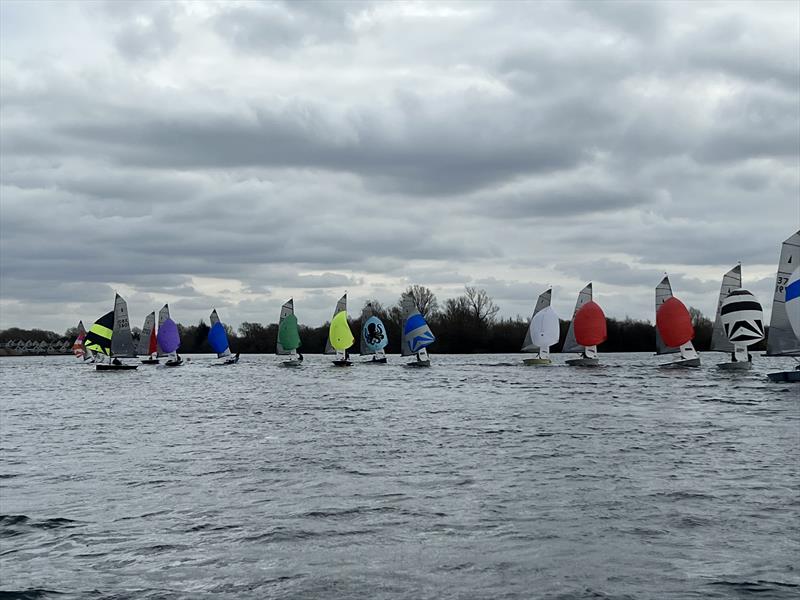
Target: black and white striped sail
732,280
782,340
144,336
341,305
570,343
163,315
663,293
286,310
121,338
543,302
742,318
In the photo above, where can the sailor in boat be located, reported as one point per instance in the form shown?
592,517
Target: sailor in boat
117,362
300,356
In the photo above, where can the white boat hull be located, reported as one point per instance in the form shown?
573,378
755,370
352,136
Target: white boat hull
536,361
785,376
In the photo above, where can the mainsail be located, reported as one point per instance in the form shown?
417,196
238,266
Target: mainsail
147,339
732,280
416,333
373,332
543,302
570,343
341,306
218,337
793,302
663,293
287,310
782,339
98,338
163,315
121,339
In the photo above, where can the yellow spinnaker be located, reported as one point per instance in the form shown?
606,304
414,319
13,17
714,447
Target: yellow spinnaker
340,335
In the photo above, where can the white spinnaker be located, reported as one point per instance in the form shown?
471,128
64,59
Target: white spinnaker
544,329
541,303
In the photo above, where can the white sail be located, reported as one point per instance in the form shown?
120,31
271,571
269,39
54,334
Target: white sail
121,338
544,330
286,310
663,293
144,336
782,340
541,303
732,280
341,305
163,315
570,343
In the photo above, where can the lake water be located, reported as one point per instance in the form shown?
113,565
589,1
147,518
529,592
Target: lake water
477,478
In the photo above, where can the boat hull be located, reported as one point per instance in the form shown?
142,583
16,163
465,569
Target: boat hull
682,364
419,363
150,361
291,363
106,367
173,363
532,362
785,376
735,366
376,361
583,362
342,363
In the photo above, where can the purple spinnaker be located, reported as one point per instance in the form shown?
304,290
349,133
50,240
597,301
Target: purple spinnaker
168,337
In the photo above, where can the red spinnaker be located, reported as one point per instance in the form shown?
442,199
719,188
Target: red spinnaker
590,325
674,323
153,347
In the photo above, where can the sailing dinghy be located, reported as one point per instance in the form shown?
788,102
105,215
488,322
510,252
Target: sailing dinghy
373,336
743,322
288,336
784,325
78,347
148,341
340,338
169,339
543,331
417,336
674,330
586,330
111,335
218,340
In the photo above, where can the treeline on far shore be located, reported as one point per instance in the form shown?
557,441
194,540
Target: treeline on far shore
463,325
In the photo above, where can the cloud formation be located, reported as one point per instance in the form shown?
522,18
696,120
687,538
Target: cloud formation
236,154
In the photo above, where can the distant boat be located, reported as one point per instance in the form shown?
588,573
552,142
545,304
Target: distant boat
148,341
169,339
373,336
586,331
674,330
784,325
743,322
340,338
218,340
111,335
78,348
288,336
417,336
732,280
543,331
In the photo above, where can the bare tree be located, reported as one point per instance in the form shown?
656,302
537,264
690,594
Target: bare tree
424,299
481,305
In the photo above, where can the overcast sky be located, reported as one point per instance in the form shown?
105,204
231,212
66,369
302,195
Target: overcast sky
232,155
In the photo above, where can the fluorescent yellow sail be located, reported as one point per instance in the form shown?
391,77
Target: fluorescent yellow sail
340,335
